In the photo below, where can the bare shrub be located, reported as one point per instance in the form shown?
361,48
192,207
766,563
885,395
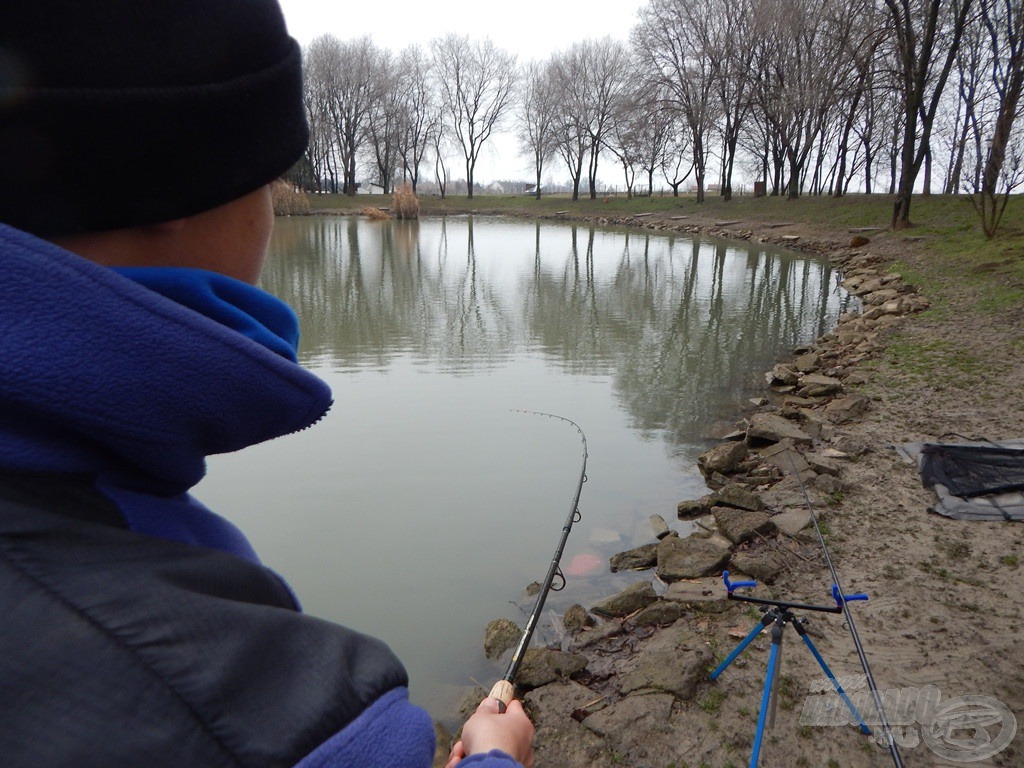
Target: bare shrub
375,213
287,200
405,203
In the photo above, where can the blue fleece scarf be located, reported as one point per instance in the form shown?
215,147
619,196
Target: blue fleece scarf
253,313
105,376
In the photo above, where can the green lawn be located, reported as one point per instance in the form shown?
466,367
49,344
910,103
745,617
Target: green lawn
947,225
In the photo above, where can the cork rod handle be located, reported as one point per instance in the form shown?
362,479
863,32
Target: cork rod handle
504,692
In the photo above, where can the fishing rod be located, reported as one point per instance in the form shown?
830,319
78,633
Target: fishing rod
504,689
840,595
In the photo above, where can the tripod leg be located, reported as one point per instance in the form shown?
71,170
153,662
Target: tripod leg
768,619
766,695
835,683
774,697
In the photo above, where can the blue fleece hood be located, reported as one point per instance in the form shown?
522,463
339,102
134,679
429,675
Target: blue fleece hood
102,375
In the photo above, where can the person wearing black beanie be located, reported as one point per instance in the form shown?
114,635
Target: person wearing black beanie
138,142
118,113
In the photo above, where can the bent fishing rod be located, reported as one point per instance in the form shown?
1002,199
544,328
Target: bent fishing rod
840,595
504,689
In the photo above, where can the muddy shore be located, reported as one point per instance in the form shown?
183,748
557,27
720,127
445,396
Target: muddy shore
945,603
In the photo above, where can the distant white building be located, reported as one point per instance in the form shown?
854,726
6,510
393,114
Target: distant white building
369,189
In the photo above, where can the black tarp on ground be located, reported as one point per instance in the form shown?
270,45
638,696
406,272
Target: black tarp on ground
973,480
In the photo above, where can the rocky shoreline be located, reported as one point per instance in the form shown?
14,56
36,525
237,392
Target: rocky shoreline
630,686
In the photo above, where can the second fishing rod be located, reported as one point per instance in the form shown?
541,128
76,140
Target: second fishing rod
504,689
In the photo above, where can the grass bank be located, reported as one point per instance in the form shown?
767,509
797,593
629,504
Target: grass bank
945,226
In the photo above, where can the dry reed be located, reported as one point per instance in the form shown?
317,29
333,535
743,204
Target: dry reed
287,200
405,203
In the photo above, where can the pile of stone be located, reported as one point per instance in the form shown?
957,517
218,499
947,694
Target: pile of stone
609,676
789,448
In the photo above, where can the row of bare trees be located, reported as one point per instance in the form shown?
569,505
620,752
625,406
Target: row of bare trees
810,96
394,112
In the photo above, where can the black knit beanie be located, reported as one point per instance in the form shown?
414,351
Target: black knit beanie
118,113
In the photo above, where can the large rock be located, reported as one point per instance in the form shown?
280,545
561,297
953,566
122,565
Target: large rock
673,661
807,362
629,600
576,619
845,409
881,296
697,592
782,375
786,493
818,385
823,465
784,456
626,721
690,558
637,559
771,428
739,496
740,525
662,613
500,635
659,527
723,458
862,284
792,521
693,508
542,666
600,634
763,566
560,739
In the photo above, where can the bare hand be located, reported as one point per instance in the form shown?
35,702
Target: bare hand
488,728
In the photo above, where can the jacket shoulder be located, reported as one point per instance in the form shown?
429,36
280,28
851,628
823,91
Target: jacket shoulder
123,649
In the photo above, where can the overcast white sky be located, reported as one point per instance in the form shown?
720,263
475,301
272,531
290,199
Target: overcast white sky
529,28
532,29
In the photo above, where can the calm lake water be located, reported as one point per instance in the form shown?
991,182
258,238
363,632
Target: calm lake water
423,505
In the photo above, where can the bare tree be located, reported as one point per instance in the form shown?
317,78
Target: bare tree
628,141
476,82
927,35
538,116
419,120
350,75
1004,21
959,121
384,125
813,92
320,156
609,73
734,81
862,45
805,64
650,130
591,79
439,146
571,136
677,165
671,39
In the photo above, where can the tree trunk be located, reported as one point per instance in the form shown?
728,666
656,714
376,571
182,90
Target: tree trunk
926,184
901,209
730,159
794,177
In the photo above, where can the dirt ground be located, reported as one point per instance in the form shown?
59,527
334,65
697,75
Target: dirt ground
945,610
944,616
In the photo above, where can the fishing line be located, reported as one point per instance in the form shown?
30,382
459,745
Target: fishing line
840,594
504,689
